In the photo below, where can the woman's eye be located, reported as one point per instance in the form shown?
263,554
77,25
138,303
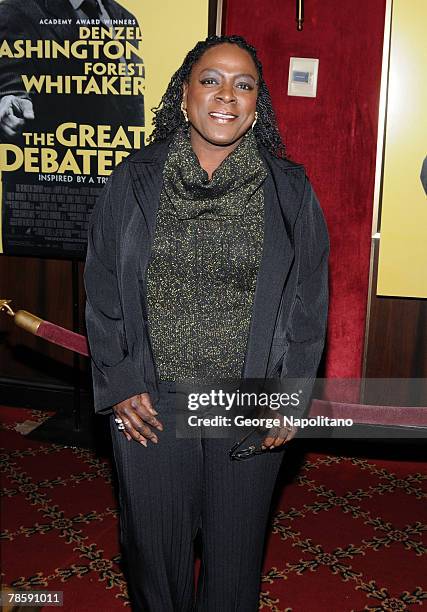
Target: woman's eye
245,86
208,81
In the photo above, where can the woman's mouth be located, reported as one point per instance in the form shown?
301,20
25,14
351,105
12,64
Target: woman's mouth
222,117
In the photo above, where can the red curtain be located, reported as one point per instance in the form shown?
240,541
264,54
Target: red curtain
333,135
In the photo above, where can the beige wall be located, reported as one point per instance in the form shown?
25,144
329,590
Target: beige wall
402,267
170,28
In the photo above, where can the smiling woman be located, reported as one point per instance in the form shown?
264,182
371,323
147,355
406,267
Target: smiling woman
207,262
220,98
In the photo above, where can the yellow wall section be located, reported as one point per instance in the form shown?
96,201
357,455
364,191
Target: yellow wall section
170,28
402,268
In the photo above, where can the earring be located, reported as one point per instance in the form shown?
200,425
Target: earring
184,111
255,120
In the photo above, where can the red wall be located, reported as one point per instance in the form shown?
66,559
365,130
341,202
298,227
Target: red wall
334,135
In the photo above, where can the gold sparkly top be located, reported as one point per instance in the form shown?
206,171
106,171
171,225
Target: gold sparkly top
204,263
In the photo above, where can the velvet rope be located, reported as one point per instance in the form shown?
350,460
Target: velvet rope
408,416
63,337
413,416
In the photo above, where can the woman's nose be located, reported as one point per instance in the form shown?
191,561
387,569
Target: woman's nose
226,93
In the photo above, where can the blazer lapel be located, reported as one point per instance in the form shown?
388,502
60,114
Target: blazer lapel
146,168
283,192
276,260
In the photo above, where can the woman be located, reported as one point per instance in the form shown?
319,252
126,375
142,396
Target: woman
207,260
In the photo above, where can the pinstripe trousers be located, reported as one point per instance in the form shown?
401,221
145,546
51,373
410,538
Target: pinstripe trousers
170,490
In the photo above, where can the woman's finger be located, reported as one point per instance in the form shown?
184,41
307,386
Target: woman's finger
136,413
145,410
145,400
131,425
268,442
127,428
136,427
279,436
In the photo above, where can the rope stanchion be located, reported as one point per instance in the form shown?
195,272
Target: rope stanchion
68,427
46,330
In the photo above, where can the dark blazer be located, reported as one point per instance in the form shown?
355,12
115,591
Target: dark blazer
288,325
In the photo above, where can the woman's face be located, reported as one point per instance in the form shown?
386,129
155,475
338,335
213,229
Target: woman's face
221,95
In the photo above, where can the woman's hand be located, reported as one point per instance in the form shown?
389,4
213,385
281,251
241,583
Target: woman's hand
277,436
136,413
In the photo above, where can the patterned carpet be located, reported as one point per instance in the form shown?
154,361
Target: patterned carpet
346,531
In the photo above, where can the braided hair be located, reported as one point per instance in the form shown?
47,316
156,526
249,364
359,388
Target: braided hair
168,116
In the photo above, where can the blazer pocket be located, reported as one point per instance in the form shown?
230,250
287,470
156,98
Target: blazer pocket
278,352
123,340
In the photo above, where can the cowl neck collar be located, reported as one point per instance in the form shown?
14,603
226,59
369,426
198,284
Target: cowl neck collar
190,192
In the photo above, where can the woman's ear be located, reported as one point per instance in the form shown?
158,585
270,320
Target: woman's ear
184,101
184,94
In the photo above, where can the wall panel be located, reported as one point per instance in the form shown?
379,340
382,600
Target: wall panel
334,135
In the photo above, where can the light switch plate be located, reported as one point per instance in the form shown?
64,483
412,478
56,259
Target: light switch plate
303,77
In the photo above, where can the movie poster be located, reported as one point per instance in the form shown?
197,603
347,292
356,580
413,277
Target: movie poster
74,85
